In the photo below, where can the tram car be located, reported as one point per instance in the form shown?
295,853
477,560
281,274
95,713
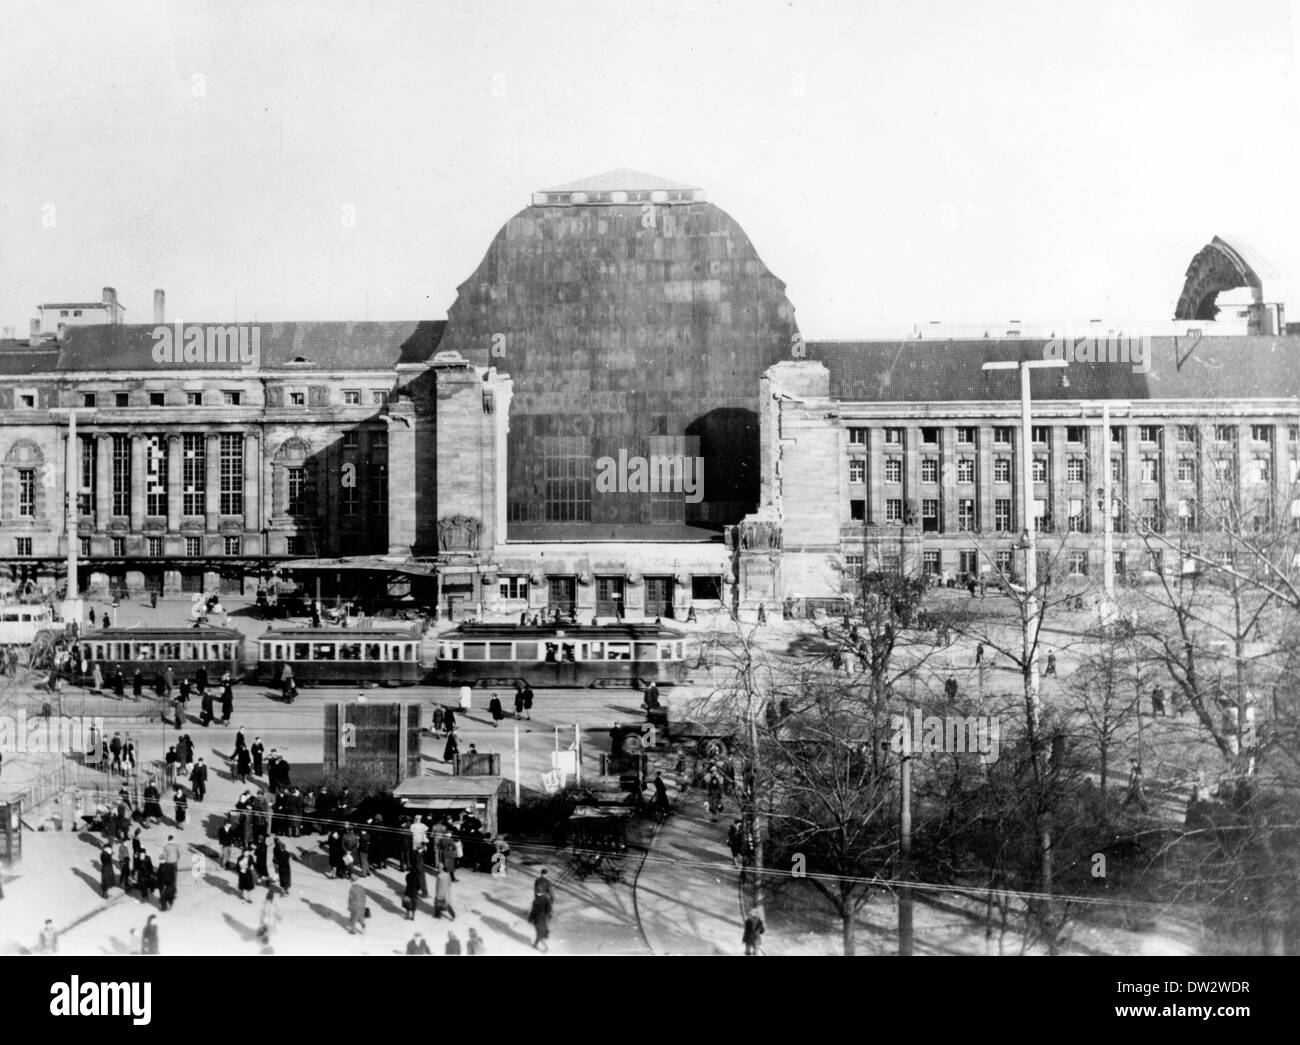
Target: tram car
561,655
327,656
151,650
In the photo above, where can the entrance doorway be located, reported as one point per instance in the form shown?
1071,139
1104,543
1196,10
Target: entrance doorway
562,593
609,596
659,597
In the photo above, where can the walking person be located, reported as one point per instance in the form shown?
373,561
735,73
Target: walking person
107,876
442,894
205,708
453,945
466,696
137,684
269,920
243,763
260,864
227,701
199,780
182,808
96,678
1158,702
662,807
226,840
752,936
736,843
436,724
411,894
247,876
256,751
283,865
519,700
495,710
1136,793
418,945
1051,665
474,945
528,701
539,917
149,936
451,749
357,908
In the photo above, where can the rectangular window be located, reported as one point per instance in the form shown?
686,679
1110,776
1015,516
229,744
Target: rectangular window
966,436
83,544
1003,436
1042,434
1187,433
194,474
1150,469
379,491
1077,521
1149,433
1002,469
1117,434
857,471
23,546
1261,470
1040,469
378,396
293,545
1186,469
1079,563
893,469
929,515
193,398
26,400
857,437
931,563
121,399
193,547
1004,562
567,474
88,399
1002,514
155,467
513,587
351,397
1150,514
231,448
1262,433
1225,469
966,514
379,439
231,545
121,460
27,491
930,436
857,509
119,547
1117,469
1187,515
929,470
1074,469
965,469
1076,434
351,440
155,547
1225,433
157,398
893,510
297,491
350,500
86,487
231,397
968,563
893,437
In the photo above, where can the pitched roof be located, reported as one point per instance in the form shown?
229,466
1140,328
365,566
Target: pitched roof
1181,368
322,346
623,178
18,357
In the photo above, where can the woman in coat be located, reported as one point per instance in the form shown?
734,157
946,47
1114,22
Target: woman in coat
411,895
247,877
335,844
144,875
452,748
259,861
283,865
496,711
356,908
540,919
243,762
182,808
442,895
107,877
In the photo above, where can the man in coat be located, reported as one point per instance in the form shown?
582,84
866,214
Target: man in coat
256,751
752,936
199,780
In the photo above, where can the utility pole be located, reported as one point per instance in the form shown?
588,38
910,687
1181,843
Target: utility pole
71,472
1108,521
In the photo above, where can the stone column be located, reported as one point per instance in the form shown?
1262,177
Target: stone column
103,480
212,493
175,482
401,478
252,485
138,482
984,478
950,492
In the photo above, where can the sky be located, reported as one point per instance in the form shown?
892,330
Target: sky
893,162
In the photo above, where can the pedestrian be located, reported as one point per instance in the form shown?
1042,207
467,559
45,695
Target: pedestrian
411,894
205,707
950,689
91,615
356,908
149,936
466,696
227,701
137,684
436,725
528,701
519,700
243,763
736,842
1051,665
107,878
979,654
247,876
714,784
1158,702
418,945
199,780
226,840
539,917
442,895
1135,788
453,944
474,945
334,846
182,805
48,941
661,798
269,920
283,865
260,864
96,677
452,748
256,751
495,710
752,937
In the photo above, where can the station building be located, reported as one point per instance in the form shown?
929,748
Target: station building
618,414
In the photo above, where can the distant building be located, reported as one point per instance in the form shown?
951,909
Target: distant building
58,316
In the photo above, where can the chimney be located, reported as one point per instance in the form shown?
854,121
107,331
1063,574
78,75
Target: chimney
35,335
159,308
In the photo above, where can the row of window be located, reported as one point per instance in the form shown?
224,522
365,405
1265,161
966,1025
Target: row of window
968,562
1004,435
108,652
27,399
534,650
378,652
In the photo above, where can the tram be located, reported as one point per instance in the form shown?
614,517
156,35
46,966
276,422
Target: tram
324,656
20,621
561,655
151,650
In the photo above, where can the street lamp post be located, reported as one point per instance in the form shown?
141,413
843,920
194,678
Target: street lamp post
1026,517
72,467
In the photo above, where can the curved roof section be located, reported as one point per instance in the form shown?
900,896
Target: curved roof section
1225,263
1205,369
319,346
625,179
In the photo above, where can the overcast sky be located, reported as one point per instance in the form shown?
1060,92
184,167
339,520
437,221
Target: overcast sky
893,162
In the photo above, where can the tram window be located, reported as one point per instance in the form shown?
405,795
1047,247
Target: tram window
552,651
10,617
302,651
679,651
665,651
476,651
567,650
501,651
27,616
646,651
374,651
349,651
620,651
595,652
98,647
323,651
279,651
172,650
190,651
144,651
525,651
410,650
